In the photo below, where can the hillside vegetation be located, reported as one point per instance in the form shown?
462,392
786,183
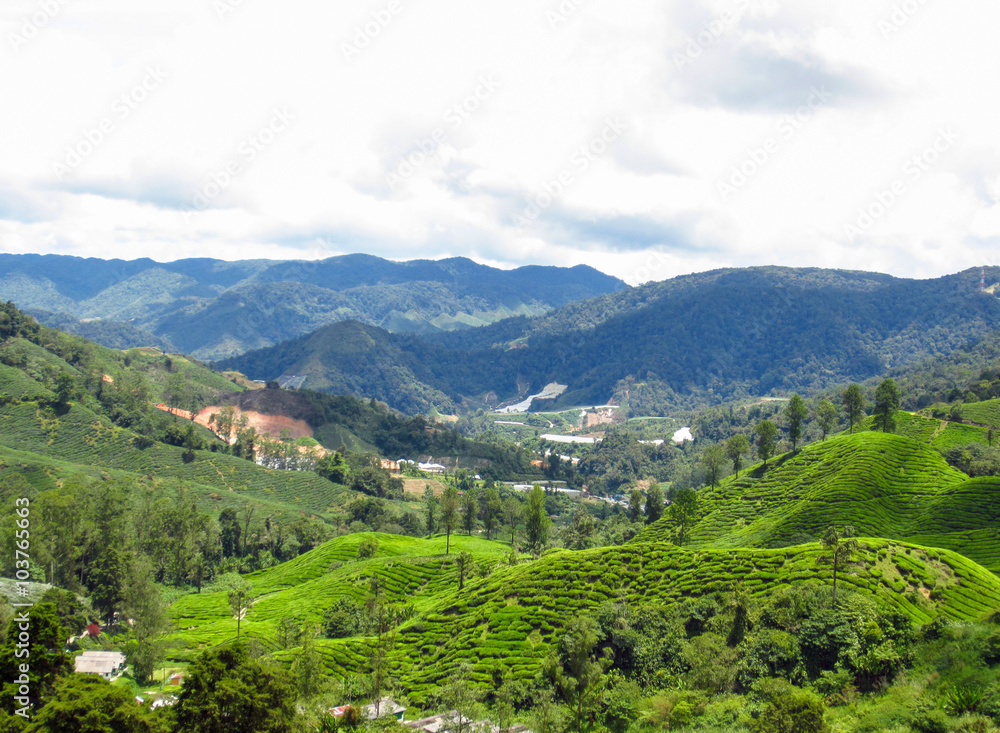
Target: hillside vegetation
883,485
686,342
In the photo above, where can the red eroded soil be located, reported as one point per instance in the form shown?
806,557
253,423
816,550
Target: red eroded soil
271,425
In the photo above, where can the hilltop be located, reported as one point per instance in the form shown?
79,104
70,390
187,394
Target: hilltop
213,308
884,485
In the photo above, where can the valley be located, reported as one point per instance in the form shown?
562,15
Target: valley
450,522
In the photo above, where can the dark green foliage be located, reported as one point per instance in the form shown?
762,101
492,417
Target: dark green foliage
767,434
227,691
536,520
736,448
789,709
45,653
854,405
654,504
887,398
659,335
796,411
89,704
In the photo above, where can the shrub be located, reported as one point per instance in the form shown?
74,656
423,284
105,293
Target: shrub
368,548
789,709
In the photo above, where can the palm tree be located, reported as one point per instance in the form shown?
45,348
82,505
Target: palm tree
842,546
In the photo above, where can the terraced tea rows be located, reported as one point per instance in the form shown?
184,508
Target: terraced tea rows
508,620
883,485
81,436
409,570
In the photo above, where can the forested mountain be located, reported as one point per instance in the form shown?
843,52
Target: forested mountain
690,341
213,308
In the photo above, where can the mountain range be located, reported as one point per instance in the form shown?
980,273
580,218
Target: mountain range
689,341
213,308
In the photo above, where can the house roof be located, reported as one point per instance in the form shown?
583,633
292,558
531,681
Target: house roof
99,662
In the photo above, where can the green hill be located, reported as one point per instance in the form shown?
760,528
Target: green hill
508,619
883,485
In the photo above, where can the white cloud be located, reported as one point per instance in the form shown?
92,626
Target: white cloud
700,89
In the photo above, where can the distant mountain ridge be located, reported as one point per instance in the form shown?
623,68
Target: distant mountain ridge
213,308
693,340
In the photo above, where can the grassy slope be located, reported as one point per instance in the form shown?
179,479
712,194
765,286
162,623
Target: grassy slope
509,619
85,438
882,485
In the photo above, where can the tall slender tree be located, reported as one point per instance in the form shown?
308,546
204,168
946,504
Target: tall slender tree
842,546
736,447
826,416
887,399
854,405
796,411
536,520
449,514
654,504
714,459
767,438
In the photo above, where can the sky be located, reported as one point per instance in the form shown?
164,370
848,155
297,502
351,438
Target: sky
647,139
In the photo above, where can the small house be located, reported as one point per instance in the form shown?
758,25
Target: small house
107,664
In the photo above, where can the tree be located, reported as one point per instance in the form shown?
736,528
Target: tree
767,438
431,503
654,504
854,405
842,546
714,459
684,510
144,606
635,506
464,563
334,468
575,670
826,416
449,514
512,512
461,697
86,703
46,654
491,510
536,520
796,411
240,598
106,581
736,447
790,708
228,691
887,399
470,511
308,670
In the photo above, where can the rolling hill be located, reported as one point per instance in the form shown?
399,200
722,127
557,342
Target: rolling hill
212,308
508,619
884,485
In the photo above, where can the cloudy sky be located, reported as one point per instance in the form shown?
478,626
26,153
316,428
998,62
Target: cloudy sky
648,139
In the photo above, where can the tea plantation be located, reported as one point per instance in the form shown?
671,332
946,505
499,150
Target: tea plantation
884,485
507,619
